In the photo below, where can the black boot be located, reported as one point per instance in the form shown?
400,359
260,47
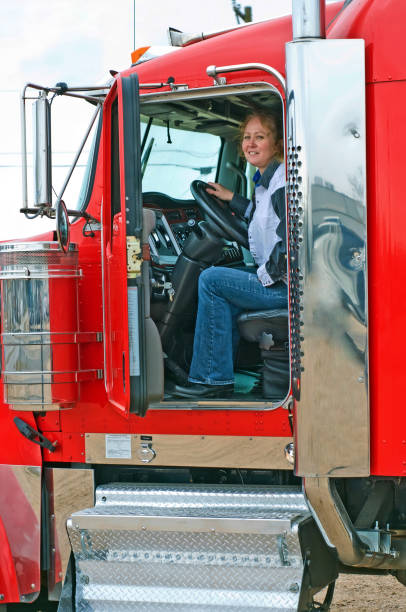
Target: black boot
200,391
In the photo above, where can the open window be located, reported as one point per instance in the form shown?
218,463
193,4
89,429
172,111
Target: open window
196,136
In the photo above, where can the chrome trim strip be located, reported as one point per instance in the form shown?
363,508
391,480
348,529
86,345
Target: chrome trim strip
28,273
207,92
215,404
8,247
69,91
15,338
48,377
179,523
24,147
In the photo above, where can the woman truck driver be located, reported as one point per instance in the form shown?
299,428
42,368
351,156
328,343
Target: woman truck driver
225,292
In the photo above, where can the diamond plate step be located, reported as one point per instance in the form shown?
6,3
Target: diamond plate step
195,548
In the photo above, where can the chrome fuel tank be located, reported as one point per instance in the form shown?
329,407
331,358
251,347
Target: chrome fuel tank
39,335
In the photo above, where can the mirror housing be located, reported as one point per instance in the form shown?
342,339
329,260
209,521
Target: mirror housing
42,163
62,225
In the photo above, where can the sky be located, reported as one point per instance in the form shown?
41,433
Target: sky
78,42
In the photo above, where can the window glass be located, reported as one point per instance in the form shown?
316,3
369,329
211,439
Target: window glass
89,164
173,158
67,137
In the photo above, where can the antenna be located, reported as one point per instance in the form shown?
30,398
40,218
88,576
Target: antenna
245,15
134,23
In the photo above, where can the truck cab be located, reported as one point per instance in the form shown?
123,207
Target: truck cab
139,497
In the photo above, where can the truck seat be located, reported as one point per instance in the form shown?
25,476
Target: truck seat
270,329
154,353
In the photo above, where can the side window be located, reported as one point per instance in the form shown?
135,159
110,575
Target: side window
173,158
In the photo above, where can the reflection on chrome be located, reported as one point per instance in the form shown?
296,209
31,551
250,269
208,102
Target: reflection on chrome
39,301
327,208
22,525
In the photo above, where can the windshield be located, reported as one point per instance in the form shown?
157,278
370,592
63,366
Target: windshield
172,158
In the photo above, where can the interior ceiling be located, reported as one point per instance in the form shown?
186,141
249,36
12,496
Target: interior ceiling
220,115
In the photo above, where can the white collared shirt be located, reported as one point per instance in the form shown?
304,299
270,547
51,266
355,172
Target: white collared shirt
262,234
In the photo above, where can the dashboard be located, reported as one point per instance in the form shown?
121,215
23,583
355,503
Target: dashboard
175,220
171,232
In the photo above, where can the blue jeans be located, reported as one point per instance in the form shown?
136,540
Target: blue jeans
223,294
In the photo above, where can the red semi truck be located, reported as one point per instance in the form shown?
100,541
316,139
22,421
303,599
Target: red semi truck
117,495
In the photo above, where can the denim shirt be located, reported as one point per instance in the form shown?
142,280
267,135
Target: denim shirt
267,193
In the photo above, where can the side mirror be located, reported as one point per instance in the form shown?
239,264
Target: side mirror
42,151
62,225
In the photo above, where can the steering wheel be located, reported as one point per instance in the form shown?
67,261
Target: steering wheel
231,225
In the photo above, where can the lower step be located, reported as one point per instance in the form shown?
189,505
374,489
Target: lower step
195,548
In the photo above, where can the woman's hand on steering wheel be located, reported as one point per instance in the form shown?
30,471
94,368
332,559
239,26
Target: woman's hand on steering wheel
216,189
216,211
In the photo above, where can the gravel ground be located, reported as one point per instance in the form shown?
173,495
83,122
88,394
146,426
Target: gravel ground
357,593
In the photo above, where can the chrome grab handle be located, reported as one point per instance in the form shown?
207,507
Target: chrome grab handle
213,71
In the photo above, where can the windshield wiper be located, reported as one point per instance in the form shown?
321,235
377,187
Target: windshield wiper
144,138
145,157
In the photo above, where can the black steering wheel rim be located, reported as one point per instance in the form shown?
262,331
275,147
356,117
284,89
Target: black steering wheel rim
233,227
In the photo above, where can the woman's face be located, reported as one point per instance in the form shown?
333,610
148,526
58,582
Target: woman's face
259,144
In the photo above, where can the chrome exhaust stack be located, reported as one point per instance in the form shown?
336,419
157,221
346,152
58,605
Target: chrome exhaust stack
308,19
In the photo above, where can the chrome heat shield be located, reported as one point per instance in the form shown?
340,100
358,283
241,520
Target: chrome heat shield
193,548
326,153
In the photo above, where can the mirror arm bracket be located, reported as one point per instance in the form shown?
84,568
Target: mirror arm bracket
47,211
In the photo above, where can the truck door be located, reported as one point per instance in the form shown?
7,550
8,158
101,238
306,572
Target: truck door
124,275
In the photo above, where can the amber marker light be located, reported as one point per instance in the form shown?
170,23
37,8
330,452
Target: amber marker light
135,55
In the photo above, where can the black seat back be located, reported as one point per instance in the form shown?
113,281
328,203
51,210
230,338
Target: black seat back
254,323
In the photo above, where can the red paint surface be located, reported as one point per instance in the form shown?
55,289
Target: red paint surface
8,578
15,449
381,25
